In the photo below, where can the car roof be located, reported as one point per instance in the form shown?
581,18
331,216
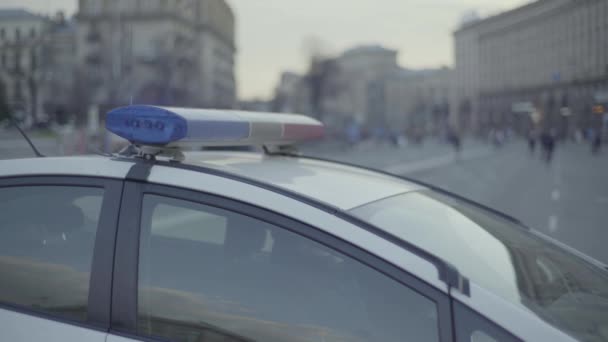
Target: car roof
341,186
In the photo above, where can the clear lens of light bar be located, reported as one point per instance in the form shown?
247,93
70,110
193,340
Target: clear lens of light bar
181,127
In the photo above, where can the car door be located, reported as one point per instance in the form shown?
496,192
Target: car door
56,250
197,267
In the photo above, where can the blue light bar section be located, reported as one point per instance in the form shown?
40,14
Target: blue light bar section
146,125
174,127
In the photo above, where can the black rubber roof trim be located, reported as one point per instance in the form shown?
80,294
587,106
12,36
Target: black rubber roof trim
445,270
139,171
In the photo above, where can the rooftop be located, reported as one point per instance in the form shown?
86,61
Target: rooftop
17,13
371,48
529,7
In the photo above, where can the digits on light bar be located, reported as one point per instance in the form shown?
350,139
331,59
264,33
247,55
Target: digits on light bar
188,127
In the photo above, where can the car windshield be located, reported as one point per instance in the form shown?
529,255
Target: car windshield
507,259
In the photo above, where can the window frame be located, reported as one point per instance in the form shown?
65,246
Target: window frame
100,281
467,319
125,281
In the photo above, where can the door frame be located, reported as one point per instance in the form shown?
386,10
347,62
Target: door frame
125,284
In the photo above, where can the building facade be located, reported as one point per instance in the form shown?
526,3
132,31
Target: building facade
366,87
364,70
289,93
58,68
21,35
550,56
216,41
37,58
417,101
171,52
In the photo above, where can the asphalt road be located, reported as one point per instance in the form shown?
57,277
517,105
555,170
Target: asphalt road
567,199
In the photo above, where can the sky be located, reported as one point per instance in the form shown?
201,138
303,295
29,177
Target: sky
278,35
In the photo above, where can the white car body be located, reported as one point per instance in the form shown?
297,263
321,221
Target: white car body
334,185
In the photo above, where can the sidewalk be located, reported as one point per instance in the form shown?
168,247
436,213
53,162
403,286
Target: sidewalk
59,142
17,147
398,160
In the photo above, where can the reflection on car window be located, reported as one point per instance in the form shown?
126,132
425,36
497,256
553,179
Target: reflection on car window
47,235
502,257
471,327
480,336
185,223
217,275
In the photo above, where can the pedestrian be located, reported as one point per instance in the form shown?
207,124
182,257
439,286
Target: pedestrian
394,137
548,142
532,141
454,140
353,134
500,137
596,143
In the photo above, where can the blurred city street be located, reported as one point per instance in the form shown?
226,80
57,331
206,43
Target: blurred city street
213,201
12,145
566,200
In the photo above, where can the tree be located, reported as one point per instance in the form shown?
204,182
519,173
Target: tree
324,78
83,85
320,80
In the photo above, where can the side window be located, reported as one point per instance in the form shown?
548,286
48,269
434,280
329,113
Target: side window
471,327
47,235
207,274
179,222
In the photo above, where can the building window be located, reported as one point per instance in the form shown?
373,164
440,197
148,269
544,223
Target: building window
2,33
17,33
17,60
33,60
32,32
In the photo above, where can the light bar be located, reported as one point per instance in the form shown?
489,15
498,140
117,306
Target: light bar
188,127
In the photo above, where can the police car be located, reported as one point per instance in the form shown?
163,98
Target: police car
167,242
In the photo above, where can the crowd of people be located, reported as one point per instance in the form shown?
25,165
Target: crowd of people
547,140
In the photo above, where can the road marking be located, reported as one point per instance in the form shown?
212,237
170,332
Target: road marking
557,173
552,223
555,195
